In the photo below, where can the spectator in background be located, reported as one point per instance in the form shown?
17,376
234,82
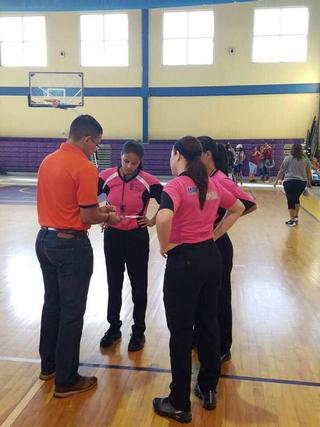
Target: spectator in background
231,155
238,163
253,163
260,166
295,172
268,162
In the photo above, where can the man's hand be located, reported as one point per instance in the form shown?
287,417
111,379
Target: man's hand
108,209
113,219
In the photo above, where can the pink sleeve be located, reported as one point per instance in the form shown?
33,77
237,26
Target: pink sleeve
173,189
104,174
237,191
152,180
227,198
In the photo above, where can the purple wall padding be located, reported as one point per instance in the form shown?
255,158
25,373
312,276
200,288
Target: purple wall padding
26,154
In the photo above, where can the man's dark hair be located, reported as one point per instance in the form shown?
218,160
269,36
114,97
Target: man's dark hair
85,125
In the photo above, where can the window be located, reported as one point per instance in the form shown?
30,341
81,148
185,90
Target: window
104,40
188,38
23,41
280,35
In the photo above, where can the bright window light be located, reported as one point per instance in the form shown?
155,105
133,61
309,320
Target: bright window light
188,38
104,40
23,41
280,35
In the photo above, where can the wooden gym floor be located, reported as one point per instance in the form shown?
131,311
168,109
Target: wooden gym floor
273,378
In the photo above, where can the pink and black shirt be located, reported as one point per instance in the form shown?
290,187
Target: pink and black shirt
227,183
190,224
130,196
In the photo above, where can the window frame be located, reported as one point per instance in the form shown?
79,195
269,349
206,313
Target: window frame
185,10
280,35
22,42
104,41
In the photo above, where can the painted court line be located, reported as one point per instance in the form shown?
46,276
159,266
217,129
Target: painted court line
22,404
167,371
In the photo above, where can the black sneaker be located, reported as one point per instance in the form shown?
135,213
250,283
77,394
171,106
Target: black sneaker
136,342
291,223
163,407
109,338
225,357
208,398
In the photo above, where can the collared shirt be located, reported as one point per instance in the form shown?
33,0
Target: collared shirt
130,195
191,224
226,182
67,181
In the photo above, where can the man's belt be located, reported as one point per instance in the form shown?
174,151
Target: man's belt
67,231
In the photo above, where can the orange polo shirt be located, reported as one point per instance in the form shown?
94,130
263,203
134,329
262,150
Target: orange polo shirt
67,180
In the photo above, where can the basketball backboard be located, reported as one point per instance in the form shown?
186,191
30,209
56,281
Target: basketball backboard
58,90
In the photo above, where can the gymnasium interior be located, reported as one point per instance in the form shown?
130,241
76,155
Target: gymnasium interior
243,72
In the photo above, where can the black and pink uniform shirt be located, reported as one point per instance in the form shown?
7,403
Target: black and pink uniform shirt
130,196
190,224
227,183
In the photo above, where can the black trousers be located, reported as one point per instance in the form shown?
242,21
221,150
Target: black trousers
294,188
225,308
67,266
191,288
131,249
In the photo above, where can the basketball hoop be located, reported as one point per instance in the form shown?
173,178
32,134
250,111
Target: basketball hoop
55,103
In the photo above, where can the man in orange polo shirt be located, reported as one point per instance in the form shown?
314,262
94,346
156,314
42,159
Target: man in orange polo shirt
67,205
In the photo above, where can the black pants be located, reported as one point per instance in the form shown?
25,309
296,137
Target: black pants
66,266
131,249
191,288
294,188
225,308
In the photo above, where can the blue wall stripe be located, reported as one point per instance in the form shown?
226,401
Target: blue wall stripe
111,91
145,75
14,91
272,89
85,5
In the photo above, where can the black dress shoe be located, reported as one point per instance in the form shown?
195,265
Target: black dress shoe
208,398
136,342
225,357
109,338
163,407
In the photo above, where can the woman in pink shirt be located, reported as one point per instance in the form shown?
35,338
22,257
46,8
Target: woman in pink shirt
129,189
189,205
215,159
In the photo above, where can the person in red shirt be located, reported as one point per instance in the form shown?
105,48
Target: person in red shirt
189,205
130,189
254,160
268,162
67,205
